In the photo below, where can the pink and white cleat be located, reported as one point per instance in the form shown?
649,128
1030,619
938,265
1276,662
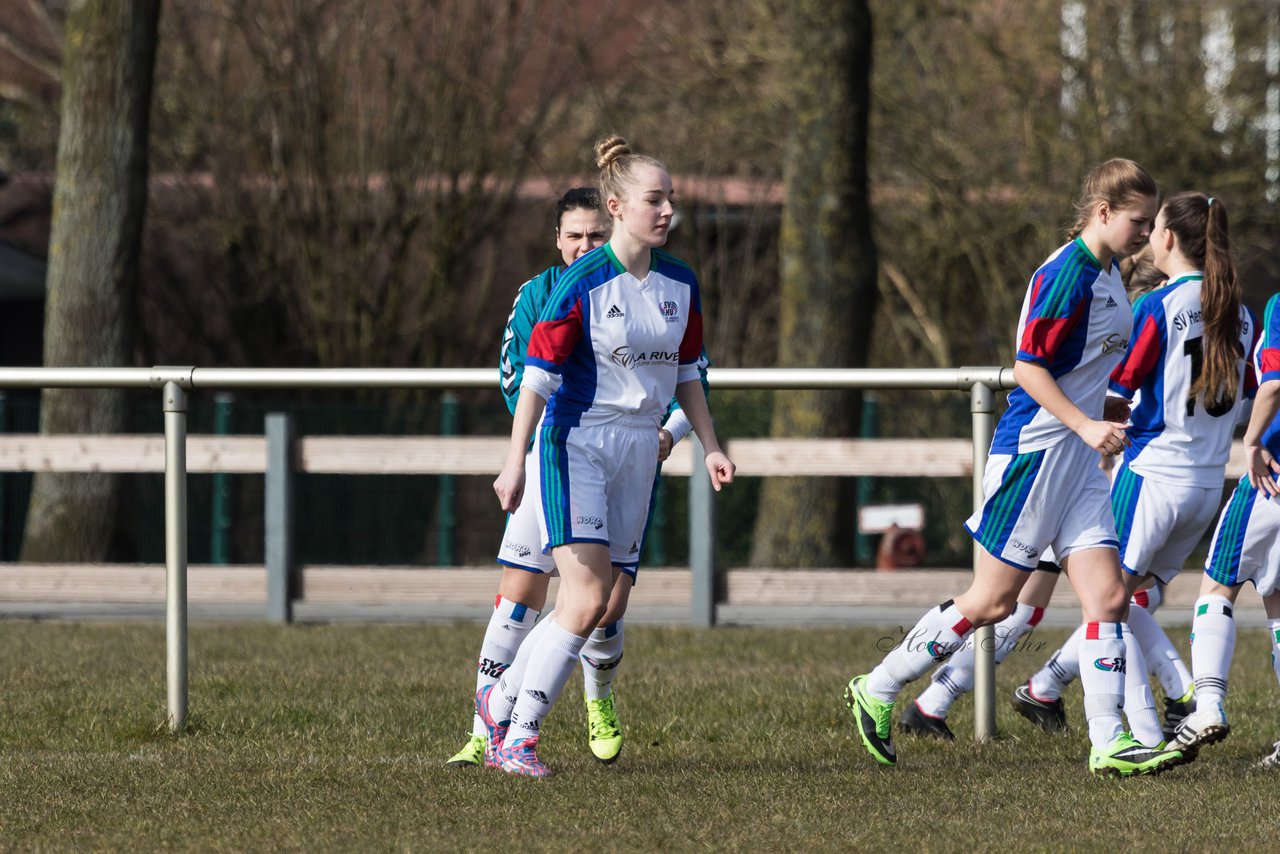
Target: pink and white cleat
520,758
497,731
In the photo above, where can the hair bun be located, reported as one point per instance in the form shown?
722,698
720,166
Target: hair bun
609,149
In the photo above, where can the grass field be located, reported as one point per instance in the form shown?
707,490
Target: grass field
333,737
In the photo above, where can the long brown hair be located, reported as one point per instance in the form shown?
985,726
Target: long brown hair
1200,224
1118,182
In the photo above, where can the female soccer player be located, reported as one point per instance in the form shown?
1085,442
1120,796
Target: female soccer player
928,713
1042,484
620,334
522,592
1246,547
1188,366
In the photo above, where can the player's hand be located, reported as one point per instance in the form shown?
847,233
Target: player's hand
1105,437
665,444
1116,409
510,486
721,469
1262,468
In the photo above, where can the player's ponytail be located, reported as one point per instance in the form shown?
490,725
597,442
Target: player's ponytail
617,164
1118,182
1200,224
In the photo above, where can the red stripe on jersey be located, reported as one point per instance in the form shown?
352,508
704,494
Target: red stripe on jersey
1269,359
1043,336
553,340
961,627
1141,599
691,344
1141,358
1037,614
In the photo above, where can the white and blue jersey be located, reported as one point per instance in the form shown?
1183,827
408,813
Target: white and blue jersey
609,345
1042,488
1246,543
1075,323
1175,438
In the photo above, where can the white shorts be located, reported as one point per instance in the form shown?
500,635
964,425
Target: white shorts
1159,524
1056,497
1246,543
522,539
597,485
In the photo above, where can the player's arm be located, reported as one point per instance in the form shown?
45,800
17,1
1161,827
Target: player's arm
510,482
694,403
677,425
691,394
1266,402
551,342
515,339
1258,460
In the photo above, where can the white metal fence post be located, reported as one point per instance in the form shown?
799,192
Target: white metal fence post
982,407
702,541
175,551
279,518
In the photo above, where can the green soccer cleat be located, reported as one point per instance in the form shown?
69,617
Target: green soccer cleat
1125,757
873,719
471,755
604,733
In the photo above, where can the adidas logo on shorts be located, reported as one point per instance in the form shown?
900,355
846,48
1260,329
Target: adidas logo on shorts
614,311
1111,302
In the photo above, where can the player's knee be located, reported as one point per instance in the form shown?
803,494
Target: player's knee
1111,606
992,610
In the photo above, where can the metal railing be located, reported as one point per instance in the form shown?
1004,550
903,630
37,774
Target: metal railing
176,382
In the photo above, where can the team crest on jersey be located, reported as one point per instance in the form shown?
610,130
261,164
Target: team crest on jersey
669,310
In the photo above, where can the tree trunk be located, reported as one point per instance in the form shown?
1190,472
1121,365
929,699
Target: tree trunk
828,270
98,206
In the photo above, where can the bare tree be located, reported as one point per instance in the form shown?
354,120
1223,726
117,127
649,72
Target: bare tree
99,202
362,158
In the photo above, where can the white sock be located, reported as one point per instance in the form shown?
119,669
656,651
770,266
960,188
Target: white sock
601,656
1102,666
508,626
955,678
1274,626
1139,704
1150,598
502,699
1162,657
1062,668
1213,641
940,632
550,665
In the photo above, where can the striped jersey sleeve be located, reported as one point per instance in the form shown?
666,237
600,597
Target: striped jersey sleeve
1267,354
1057,304
530,299
1146,351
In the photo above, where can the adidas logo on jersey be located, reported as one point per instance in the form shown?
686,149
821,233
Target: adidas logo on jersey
1111,302
614,311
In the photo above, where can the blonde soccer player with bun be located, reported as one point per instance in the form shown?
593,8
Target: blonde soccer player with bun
620,334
